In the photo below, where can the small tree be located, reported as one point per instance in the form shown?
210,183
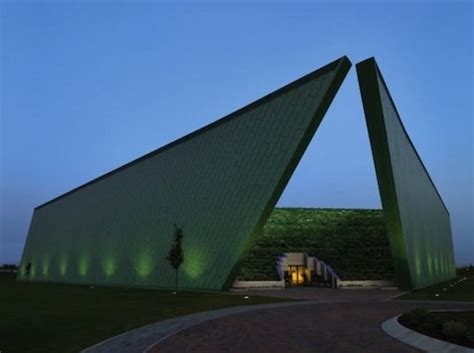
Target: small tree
176,255
28,271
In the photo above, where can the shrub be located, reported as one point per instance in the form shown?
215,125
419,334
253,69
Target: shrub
470,335
418,317
429,326
454,329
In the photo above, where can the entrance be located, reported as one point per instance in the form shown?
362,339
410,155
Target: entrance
297,275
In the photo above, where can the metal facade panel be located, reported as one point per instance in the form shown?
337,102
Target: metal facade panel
417,220
219,184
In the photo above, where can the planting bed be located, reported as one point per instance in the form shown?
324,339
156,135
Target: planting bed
454,327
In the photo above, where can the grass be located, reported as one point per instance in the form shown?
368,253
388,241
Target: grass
435,324
353,241
57,318
458,289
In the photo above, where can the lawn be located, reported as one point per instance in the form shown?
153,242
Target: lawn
458,289
63,318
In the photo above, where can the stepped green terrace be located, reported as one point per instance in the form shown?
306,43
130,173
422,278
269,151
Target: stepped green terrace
353,242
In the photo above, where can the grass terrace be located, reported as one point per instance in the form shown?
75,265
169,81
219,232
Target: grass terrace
353,241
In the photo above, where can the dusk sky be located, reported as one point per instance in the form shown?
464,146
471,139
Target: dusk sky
88,87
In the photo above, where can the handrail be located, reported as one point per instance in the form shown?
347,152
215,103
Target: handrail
279,262
334,278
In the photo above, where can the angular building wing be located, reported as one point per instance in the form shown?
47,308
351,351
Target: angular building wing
416,217
219,184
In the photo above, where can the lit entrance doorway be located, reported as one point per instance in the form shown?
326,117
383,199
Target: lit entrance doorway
297,275
298,269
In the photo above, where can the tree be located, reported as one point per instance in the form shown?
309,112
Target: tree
28,271
176,255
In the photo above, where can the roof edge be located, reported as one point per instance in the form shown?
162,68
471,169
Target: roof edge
341,62
372,60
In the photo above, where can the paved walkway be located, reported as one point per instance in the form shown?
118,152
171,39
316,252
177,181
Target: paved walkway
138,340
335,327
331,321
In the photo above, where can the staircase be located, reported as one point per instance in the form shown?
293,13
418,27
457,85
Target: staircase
322,274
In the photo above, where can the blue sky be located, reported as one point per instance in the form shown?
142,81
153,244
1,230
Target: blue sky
88,87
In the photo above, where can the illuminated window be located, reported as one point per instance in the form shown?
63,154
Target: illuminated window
297,274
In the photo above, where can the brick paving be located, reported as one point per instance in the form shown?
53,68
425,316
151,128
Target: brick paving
138,340
329,327
333,321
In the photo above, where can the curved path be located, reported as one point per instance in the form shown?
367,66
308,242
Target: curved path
333,321
140,339
336,321
344,327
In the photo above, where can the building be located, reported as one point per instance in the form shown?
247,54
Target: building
220,184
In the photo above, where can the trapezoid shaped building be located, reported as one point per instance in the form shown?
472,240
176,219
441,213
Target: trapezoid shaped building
219,184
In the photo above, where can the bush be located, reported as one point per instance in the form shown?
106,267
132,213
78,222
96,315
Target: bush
418,317
454,329
429,326
470,335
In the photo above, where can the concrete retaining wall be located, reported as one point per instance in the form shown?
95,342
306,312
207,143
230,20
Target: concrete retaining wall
258,284
365,284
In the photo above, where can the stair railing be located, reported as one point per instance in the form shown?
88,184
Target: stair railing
279,266
328,273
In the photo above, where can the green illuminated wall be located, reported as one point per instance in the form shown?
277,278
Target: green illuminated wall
219,183
417,220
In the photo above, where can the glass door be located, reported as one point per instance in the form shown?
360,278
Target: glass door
297,274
